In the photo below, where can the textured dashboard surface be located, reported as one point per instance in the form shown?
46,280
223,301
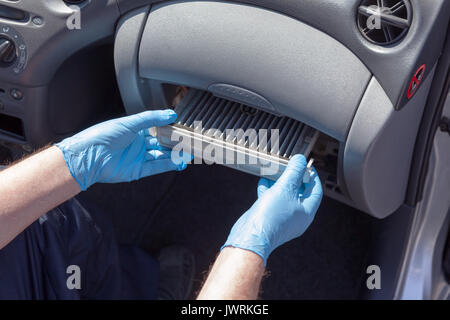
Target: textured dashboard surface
392,66
304,73
51,36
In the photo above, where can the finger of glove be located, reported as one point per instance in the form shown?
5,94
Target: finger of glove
293,175
160,166
157,155
152,143
148,119
148,134
263,185
312,198
180,156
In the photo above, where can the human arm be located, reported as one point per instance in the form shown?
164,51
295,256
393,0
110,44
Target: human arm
235,275
30,188
118,150
283,211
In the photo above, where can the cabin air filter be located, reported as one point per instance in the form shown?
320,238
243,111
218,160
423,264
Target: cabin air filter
217,130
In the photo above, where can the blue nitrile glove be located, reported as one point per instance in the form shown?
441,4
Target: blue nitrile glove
283,211
119,150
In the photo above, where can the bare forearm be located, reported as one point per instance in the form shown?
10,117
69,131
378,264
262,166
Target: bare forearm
236,275
31,188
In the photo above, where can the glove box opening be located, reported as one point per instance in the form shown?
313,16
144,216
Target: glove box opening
216,130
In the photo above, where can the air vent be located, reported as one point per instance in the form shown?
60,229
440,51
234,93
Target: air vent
261,141
74,1
384,22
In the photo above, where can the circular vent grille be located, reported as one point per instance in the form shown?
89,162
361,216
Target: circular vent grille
384,22
74,1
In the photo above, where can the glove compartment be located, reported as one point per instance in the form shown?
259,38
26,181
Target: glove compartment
252,55
277,64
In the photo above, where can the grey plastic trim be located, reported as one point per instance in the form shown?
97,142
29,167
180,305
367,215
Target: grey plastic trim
302,72
126,46
393,66
430,121
422,275
379,148
244,96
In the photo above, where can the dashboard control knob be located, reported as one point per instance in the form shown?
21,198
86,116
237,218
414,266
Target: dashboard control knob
8,51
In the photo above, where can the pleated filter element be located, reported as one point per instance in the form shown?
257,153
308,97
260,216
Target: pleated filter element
217,130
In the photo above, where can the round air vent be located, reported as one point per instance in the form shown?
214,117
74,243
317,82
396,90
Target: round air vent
384,22
74,1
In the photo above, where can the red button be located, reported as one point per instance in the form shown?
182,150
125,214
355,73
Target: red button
415,82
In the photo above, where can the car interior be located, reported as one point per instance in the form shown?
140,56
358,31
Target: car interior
364,101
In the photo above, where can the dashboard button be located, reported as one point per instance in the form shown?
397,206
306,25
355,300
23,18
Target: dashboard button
8,51
16,94
39,21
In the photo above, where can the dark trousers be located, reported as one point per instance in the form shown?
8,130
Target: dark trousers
71,253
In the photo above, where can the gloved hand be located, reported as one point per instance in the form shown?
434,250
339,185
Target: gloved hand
283,211
119,150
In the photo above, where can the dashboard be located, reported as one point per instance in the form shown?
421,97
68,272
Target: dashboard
63,65
36,39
